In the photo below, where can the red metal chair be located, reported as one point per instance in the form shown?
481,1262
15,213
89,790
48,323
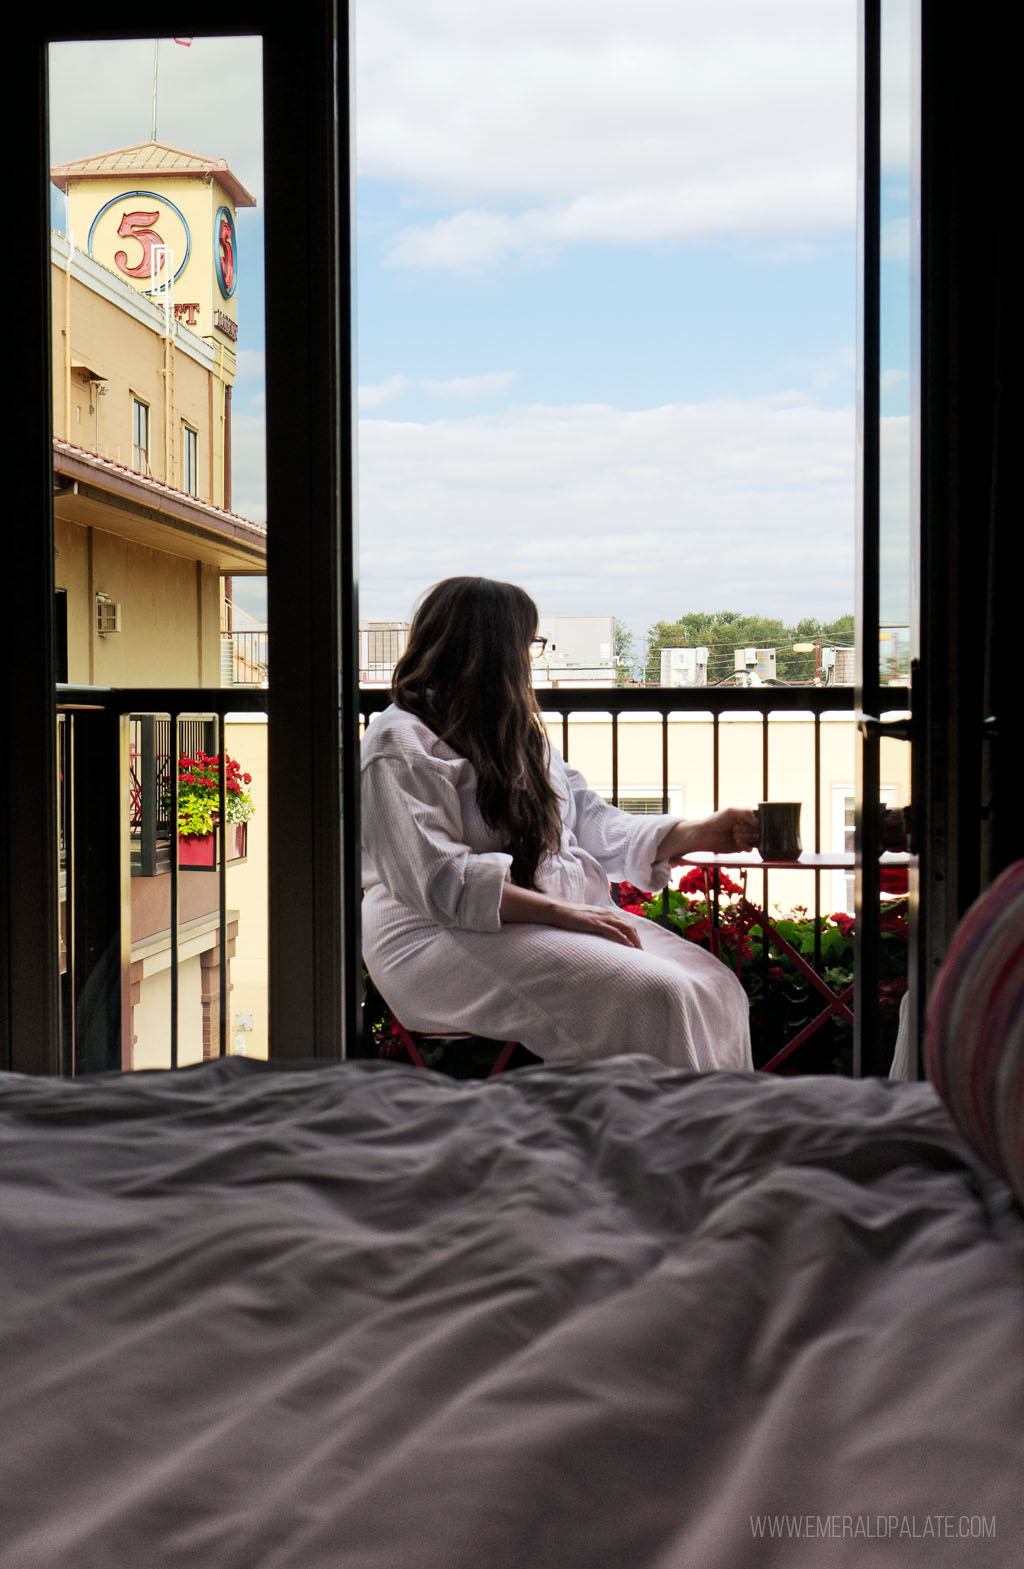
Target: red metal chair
409,1041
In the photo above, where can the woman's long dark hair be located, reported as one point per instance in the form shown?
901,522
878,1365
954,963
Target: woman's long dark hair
466,673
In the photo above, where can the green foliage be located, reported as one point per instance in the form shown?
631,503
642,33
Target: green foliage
376,1013
199,794
625,655
840,631
782,999
723,631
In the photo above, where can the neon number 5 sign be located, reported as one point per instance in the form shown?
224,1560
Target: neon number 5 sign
156,222
139,226
225,252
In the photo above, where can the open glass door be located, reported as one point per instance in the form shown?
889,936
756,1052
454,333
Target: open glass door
310,806
888,564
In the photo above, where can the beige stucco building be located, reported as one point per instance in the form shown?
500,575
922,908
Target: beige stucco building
791,774
144,339
144,298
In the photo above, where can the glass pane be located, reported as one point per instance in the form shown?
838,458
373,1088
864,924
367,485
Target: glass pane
605,340
157,333
156,154
898,341
886,870
605,348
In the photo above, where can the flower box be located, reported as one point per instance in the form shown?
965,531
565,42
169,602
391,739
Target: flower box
198,852
199,807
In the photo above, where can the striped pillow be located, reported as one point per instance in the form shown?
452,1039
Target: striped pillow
974,1042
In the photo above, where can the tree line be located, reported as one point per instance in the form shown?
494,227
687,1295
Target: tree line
721,632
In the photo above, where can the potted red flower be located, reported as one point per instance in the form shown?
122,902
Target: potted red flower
199,809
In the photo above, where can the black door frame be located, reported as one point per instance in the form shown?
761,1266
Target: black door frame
315,972
970,751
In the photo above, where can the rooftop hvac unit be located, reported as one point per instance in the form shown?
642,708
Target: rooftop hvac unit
837,666
758,661
684,667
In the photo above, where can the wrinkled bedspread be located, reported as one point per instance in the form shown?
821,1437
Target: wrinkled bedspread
358,1316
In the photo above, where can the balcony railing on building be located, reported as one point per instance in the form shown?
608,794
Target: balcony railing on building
244,659
679,750
691,750
146,943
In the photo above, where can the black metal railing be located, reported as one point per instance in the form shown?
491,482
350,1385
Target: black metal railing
151,757
765,705
119,752
761,702
245,657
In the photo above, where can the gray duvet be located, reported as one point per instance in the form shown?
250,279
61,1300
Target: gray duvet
365,1317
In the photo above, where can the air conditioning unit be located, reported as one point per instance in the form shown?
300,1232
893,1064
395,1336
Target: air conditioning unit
684,667
757,661
837,666
108,615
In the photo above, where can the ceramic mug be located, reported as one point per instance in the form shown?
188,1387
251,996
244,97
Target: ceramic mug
778,825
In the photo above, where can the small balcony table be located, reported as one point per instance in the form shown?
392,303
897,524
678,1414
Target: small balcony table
748,861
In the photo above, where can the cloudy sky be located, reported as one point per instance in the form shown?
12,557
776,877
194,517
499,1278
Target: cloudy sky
606,290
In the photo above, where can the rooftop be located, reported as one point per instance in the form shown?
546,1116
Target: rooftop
152,159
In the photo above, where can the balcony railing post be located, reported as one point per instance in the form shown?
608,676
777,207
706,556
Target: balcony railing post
100,902
146,772
222,886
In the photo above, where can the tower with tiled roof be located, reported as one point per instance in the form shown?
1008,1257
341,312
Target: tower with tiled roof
163,220
144,330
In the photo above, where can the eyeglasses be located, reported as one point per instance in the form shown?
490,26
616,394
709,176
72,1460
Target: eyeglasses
537,647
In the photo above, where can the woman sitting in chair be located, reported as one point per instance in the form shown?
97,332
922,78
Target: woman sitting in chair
486,864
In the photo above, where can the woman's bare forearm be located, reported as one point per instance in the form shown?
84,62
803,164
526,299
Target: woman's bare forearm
594,920
734,828
525,904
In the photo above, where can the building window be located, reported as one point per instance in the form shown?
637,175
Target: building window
189,460
140,436
844,815
647,804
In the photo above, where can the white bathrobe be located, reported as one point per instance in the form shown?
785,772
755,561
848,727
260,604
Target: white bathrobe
433,939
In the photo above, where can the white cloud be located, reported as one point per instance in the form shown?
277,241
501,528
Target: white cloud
467,389
894,240
454,389
209,100
759,206
250,362
538,126
249,466
642,515
371,397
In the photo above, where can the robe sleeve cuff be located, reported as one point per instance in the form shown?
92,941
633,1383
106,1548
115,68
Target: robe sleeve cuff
642,870
479,905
